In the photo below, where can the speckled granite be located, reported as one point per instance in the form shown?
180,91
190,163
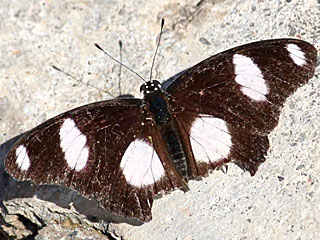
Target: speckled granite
280,202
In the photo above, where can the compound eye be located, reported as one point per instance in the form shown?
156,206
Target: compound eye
156,83
142,88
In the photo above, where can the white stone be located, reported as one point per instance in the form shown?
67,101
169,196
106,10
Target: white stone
249,76
210,139
296,54
73,144
22,160
141,165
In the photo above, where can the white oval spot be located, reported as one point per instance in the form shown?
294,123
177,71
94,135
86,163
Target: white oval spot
22,159
141,164
210,139
73,144
296,54
249,76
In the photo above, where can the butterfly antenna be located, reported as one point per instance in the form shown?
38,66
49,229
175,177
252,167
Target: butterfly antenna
120,48
155,54
88,84
100,48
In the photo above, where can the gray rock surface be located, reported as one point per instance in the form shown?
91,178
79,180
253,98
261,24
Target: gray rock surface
280,202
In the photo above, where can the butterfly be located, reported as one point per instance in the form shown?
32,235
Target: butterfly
124,152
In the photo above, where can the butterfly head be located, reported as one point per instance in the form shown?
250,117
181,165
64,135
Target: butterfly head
150,86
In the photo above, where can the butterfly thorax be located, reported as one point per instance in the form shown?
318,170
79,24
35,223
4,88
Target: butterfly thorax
156,101
159,105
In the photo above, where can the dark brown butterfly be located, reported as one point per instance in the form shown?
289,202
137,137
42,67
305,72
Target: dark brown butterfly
123,152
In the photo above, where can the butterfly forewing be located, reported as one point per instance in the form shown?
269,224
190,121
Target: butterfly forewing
230,102
101,150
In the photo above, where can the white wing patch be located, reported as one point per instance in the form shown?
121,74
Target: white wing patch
210,139
296,54
73,144
22,159
250,77
141,165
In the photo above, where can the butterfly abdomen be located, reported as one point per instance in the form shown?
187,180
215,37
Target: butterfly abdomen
175,149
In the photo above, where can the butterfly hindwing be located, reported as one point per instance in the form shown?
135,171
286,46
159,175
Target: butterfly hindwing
214,142
228,103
